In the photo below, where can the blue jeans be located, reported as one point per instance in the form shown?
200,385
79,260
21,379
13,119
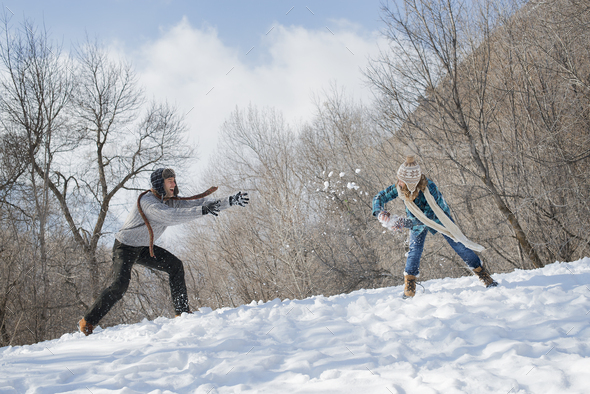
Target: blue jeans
417,246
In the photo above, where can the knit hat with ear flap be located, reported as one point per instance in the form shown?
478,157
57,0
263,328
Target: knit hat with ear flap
157,180
409,173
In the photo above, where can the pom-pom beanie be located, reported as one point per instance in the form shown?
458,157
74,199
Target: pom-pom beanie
409,173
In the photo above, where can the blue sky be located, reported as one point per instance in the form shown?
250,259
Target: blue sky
209,57
239,22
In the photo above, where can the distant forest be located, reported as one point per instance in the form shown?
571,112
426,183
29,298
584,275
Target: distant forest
493,96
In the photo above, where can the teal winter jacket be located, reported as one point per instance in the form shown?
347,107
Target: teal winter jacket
385,196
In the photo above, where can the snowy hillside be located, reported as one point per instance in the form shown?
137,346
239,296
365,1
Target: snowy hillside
530,335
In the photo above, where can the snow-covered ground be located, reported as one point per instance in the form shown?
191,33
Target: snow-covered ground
530,335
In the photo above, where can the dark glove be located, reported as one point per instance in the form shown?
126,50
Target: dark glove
394,222
399,222
211,207
240,199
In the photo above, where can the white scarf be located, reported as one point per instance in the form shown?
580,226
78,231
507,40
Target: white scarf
447,228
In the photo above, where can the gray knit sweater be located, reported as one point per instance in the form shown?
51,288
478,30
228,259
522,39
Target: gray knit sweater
160,215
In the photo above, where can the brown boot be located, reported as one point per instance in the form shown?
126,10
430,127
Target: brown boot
409,286
85,327
485,277
180,314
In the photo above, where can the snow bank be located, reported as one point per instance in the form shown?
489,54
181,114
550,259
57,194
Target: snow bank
529,335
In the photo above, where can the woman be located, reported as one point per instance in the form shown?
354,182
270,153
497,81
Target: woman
426,211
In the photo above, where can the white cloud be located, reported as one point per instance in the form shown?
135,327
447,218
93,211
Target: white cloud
190,67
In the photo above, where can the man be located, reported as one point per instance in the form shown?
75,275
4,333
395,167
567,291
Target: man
156,209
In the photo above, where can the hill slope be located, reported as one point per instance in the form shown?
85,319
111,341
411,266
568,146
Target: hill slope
530,335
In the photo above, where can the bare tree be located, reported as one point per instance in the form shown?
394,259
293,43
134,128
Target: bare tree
548,58
74,133
434,94
36,89
264,251
337,158
297,238
117,140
